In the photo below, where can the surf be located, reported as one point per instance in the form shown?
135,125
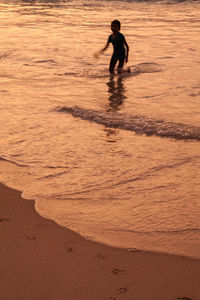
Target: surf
136,123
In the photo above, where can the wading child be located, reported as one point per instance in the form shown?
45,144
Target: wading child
120,48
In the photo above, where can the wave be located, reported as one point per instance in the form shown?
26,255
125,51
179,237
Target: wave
170,231
45,61
136,123
13,162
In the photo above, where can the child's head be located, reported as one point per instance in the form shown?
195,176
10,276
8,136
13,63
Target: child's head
115,25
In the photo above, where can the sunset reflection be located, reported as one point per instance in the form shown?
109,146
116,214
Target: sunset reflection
103,154
116,93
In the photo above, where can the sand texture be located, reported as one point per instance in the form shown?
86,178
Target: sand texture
40,260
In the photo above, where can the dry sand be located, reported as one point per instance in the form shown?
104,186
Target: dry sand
40,260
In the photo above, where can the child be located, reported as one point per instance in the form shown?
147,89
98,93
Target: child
120,53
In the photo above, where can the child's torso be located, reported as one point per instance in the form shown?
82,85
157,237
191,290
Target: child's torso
118,43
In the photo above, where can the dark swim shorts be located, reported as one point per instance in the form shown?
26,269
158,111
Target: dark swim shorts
114,60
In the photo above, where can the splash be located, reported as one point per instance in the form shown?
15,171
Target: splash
136,123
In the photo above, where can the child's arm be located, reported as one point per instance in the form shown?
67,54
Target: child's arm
102,50
106,46
127,49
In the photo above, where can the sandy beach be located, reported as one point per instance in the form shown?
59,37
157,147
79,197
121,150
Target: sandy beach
41,260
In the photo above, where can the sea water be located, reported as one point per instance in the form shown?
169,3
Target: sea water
114,159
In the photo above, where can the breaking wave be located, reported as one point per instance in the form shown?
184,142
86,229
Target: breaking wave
138,124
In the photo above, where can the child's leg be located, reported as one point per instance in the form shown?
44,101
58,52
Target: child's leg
120,66
113,62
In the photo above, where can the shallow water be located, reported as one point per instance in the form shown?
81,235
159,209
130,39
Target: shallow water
115,159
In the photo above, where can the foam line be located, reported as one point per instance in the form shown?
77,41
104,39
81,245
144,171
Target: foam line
136,123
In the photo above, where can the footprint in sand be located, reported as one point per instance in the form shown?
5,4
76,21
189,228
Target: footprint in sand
121,290
134,250
31,237
184,298
4,220
117,271
68,247
118,291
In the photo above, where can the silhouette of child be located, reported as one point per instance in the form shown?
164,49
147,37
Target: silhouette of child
120,48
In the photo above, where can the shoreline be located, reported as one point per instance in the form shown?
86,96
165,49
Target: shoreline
41,260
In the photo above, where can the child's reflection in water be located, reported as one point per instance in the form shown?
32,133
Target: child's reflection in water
116,93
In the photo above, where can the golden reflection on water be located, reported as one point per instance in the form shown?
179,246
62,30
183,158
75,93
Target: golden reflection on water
116,93
122,180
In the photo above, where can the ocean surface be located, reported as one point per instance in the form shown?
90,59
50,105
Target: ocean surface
114,159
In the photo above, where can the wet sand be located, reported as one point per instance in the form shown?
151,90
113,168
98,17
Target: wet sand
41,260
